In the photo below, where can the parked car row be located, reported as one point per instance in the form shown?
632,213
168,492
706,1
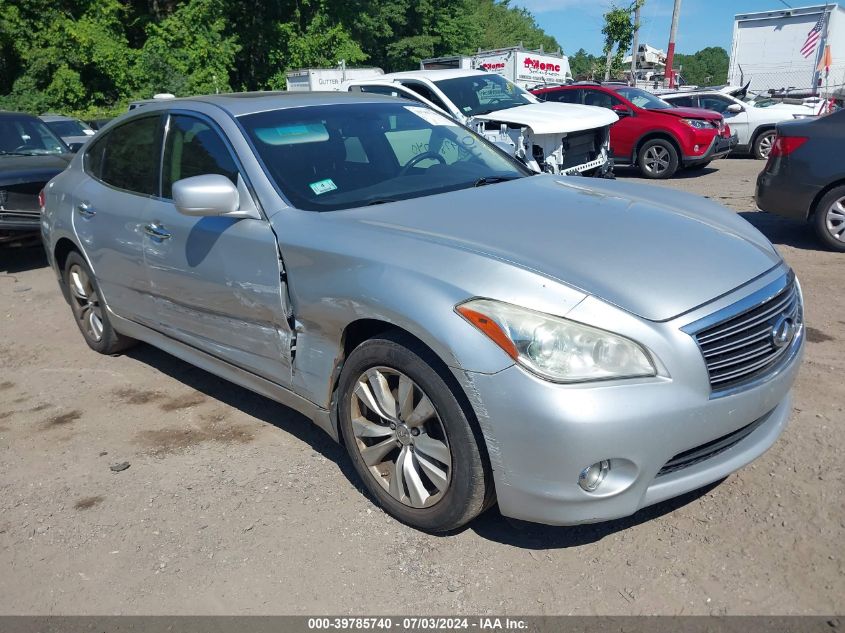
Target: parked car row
753,124
651,134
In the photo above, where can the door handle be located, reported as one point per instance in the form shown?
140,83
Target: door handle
156,231
85,210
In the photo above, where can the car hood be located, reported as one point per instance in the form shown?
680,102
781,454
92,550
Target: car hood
553,118
690,113
653,252
15,170
789,108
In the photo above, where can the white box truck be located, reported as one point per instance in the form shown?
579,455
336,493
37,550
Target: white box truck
326,79
767,51
527,69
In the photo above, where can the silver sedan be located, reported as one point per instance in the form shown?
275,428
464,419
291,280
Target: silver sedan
575,350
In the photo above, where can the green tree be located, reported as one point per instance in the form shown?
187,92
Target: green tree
89,57
707,67
188,52
618,33
584,65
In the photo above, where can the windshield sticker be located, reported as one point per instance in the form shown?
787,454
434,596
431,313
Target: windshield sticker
293,134
323,186
430,116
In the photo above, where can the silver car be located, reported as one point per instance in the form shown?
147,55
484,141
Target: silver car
574,350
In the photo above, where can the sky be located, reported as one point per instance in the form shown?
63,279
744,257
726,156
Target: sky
577,23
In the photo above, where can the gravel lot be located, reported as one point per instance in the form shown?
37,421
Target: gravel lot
234,504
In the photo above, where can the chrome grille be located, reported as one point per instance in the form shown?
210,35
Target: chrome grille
743,346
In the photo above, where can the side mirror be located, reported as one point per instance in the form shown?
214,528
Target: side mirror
735,108
621,110
211,194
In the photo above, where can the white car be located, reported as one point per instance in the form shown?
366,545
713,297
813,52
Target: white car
754,125
549,137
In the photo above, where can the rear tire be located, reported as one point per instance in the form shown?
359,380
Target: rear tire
383,436
829,219
763,144
88,309
658,159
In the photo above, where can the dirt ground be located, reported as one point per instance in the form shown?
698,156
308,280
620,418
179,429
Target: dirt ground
233,504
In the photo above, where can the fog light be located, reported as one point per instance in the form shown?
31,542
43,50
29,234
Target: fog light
696,149
592,476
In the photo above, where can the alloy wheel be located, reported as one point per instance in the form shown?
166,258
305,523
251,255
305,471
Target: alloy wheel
835,220
86,303
766,144
656,159
400,437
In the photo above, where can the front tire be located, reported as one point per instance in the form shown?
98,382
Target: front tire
408,436
763,144
88,308
658,159
829,219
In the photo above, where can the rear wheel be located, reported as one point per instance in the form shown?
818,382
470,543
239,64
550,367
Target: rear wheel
763,144
829,219
658,159
88,309
408,436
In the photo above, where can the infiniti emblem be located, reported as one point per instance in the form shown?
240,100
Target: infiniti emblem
782,331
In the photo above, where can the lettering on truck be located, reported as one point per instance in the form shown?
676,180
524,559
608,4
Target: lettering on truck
493,65
536,64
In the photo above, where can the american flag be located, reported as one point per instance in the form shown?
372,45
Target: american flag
813,38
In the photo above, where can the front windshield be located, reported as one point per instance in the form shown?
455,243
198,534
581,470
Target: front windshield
482,94
330,157
643,99
69,127
28,137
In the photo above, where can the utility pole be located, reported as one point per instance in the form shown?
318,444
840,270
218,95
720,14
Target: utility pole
636,44
670,54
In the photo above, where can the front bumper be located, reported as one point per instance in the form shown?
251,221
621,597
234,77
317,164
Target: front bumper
540,435
719,147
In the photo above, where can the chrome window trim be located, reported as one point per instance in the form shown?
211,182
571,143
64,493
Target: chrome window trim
752,301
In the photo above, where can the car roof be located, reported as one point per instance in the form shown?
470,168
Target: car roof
241,103
436,75
5,114
687,93
56,117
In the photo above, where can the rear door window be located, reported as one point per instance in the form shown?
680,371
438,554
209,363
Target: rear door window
600,99
562,96
127,157
684,102
712,102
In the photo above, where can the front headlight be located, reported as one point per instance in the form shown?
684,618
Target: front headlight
698,124
556,348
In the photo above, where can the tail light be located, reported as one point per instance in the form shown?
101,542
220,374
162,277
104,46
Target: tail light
42,200
785,145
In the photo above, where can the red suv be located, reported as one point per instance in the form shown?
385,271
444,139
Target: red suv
652,134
